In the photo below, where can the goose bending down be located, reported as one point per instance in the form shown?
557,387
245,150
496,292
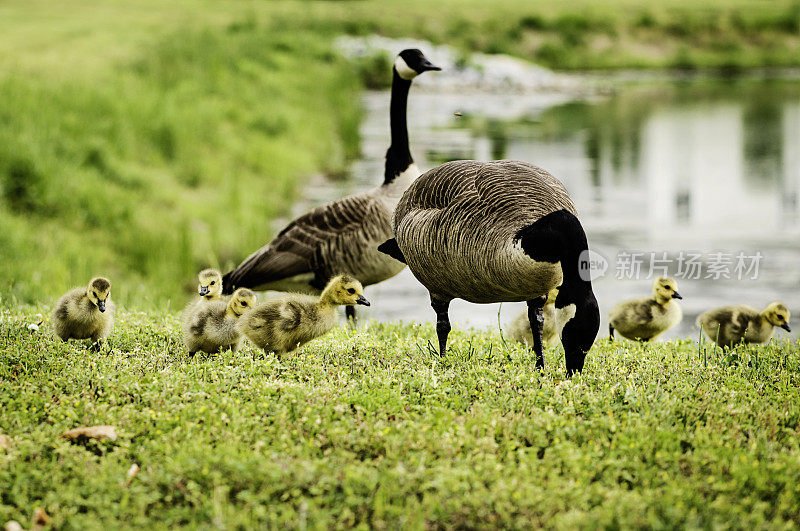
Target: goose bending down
86,313
283,324
731,325
342,236
646,319
495,232
553,322
210,327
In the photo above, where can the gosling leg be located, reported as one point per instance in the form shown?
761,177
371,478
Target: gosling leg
442,322
536,319
611,330
350,313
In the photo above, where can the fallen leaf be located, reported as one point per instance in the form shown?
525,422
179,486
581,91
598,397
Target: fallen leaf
5,442
91,432
132,471
13,525
40,517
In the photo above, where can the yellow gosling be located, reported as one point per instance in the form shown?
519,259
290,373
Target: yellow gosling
646,319
211,327
731,325
86,313
283,324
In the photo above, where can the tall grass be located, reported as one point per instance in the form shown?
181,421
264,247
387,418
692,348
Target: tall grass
174,161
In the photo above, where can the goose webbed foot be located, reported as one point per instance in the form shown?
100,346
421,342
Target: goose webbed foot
536,319
442,322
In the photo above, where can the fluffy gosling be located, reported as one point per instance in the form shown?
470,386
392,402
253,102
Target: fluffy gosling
211,327
554,321
86,313
731,325
646,319
283,324
209,284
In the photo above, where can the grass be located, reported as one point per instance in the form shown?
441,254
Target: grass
367,428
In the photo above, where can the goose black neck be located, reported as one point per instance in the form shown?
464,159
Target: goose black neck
398,156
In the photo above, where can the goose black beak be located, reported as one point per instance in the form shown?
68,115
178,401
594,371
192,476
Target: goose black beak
101,305
676,295
203,291
427,65
786,327
361,300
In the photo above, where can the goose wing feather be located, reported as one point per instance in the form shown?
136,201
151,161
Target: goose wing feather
317,242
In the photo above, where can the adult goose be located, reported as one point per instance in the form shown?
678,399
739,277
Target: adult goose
341,237
494,232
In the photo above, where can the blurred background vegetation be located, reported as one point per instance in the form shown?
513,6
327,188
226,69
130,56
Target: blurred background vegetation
146,140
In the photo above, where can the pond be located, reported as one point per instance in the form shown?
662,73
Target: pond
696,178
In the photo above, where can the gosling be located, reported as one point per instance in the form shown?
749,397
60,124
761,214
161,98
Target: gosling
554,321
283,324
211,327
731,325
209,284
86,313
646,319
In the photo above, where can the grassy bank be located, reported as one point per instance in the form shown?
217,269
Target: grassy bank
146,141
369,428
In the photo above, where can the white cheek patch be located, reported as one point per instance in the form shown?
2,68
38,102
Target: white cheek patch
403,70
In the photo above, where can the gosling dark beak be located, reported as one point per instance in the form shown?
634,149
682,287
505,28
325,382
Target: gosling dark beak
427,65
361,300
786,327
101,305
203,291
676,295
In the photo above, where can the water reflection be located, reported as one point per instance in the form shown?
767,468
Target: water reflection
708,167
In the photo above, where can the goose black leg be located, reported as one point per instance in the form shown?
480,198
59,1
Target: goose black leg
537,323
350,312
442,322
611,331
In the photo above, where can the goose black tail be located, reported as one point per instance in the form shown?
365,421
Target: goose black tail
227,283
391,248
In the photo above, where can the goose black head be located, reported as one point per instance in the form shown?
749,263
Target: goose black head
559,237
412,62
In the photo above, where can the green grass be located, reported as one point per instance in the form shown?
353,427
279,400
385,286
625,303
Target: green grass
368,428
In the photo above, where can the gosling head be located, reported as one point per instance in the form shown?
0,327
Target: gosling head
210,284
99,291
345,290
778,315
665,289
241,301
411,62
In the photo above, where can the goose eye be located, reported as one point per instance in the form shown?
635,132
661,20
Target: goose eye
213,282
351,290
244,303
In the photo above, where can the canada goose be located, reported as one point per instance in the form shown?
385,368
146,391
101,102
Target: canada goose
342,236
211,327
731,325
494,232
283,324
86,313
646,319
209,284
552,323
